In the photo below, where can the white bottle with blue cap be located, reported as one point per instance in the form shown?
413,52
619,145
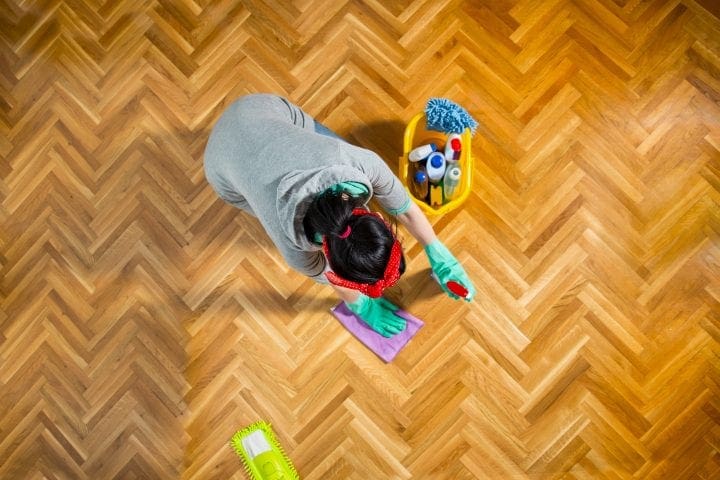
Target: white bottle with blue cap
435,167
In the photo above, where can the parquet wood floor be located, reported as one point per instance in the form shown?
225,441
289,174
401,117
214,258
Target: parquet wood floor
143,321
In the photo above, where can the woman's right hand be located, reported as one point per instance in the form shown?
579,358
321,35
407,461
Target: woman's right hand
379,314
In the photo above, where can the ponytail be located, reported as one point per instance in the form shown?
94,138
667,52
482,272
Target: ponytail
359,245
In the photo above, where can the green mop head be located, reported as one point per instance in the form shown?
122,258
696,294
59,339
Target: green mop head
261,453
443,115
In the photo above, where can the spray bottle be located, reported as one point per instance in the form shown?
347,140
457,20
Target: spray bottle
421,152
453,148
455,287
451,182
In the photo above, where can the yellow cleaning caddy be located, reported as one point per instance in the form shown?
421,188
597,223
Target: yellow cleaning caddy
417,134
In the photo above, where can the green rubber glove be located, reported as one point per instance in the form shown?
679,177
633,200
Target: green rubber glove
379,314
446,267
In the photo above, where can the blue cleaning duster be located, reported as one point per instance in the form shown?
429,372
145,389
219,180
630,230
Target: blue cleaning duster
443,115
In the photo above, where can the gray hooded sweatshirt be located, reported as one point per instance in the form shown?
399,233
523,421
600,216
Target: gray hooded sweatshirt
264,157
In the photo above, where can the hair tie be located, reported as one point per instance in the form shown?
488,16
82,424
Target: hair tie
346,233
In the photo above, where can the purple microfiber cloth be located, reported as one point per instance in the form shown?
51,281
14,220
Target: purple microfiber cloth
385,348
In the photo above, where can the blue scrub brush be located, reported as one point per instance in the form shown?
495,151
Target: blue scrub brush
443,115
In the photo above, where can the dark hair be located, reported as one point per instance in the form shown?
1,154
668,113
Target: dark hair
364,254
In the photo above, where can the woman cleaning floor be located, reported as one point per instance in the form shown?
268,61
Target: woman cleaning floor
309,189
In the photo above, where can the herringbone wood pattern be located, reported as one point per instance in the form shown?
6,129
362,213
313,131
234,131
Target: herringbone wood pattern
142,321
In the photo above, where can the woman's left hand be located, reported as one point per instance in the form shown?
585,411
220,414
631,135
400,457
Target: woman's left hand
447,268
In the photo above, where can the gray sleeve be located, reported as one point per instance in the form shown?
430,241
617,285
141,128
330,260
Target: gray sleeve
310,264
225,192
388,190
